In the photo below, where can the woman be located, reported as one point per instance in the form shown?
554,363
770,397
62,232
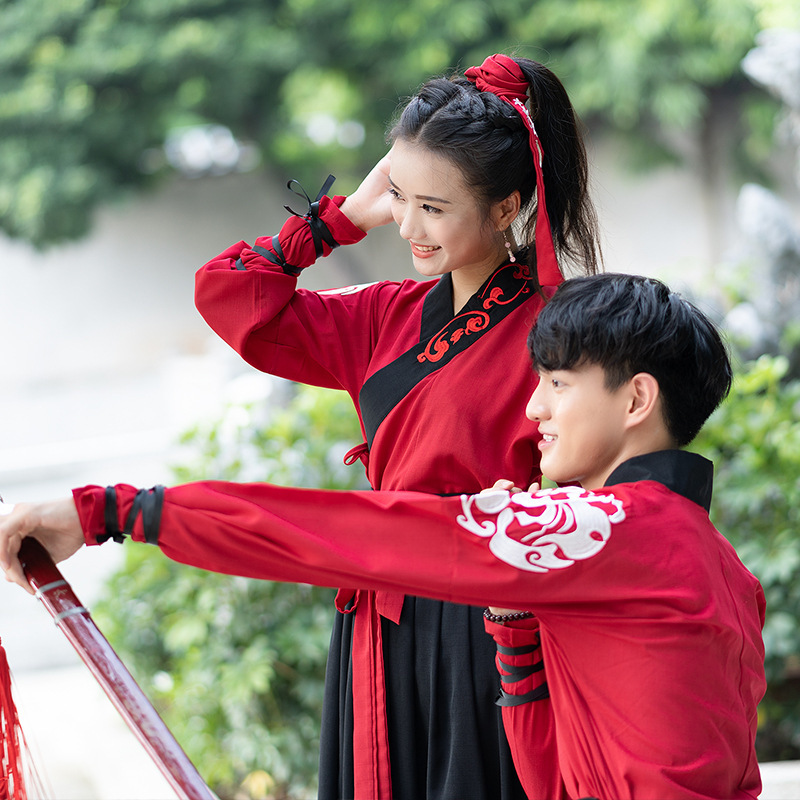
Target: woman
409,707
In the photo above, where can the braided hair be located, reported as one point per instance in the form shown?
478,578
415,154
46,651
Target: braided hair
487,140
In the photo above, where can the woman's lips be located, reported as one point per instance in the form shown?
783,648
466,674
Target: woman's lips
423,251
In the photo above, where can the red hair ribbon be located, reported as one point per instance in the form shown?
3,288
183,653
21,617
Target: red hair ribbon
502,76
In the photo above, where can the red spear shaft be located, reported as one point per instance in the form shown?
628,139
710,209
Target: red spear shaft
123,691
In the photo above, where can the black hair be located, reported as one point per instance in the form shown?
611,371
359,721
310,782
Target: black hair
485,137
629,324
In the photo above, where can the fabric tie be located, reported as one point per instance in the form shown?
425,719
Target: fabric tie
371,764
502,76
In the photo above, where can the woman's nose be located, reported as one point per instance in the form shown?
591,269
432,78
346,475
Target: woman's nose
407,224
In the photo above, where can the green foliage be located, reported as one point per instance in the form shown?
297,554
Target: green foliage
90,89
301,444
236,666
648,60
754,441
87,87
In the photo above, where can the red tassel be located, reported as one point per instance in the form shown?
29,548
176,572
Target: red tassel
12,745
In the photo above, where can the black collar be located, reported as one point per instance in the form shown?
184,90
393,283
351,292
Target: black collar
437,310
511,277
687,474
443,337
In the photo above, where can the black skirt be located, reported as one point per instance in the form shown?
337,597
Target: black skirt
446,737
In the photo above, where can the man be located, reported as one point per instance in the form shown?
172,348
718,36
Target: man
647,623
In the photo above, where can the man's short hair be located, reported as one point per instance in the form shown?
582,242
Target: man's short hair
629,324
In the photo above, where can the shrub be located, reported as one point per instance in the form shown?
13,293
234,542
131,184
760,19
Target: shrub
236,666
754,441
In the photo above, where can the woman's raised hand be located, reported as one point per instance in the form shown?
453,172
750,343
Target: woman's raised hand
370,206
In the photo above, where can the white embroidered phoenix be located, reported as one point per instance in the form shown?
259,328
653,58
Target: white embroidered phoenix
569,524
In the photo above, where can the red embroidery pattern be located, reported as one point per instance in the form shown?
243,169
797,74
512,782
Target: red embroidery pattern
474,321
471,322
496,293
521,273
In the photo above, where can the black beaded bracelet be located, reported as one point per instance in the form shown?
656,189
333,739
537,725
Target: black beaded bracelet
507,617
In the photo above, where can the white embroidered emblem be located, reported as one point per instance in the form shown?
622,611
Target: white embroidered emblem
569,524
348,289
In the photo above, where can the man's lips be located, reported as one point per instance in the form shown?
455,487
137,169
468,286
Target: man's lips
546,440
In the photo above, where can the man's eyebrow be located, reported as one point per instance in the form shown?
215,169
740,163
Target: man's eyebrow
422,196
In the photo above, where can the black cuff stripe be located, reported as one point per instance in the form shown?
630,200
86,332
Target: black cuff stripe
517,651
148,503
110,518
518,673
505,700
152,504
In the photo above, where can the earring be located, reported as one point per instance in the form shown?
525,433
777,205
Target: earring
511,256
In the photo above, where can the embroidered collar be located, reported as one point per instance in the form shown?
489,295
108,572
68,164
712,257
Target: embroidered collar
437,310
443,337
688,474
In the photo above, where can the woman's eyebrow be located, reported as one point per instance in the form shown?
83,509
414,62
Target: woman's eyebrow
421,196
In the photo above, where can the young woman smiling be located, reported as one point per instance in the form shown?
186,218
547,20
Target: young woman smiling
439,376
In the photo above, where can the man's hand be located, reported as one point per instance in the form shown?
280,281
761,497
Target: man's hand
507,486
55,524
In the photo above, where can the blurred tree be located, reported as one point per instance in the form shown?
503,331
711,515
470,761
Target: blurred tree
91,90
766,287
754,441
754,438
87,88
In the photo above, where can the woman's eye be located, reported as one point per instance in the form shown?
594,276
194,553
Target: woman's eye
394,193
431,209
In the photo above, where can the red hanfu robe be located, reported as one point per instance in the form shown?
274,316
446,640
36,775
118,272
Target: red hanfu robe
441,403
650,625
447,428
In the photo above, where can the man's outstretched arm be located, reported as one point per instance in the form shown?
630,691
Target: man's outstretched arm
55,524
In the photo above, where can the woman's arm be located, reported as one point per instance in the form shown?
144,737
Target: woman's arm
249,295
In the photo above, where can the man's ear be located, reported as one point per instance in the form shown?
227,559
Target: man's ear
644,396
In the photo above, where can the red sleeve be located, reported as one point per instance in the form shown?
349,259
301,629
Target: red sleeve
254,305
585,562
529,725
480,550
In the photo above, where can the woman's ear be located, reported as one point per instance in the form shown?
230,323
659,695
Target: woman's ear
506,211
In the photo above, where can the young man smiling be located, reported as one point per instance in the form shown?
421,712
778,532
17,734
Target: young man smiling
646,622
626,369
